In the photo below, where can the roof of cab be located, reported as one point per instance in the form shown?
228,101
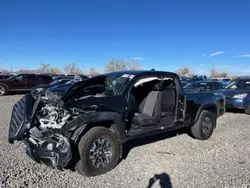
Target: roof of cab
143,72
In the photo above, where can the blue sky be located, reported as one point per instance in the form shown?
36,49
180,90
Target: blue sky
161,34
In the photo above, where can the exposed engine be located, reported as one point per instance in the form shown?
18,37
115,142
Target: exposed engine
54,114
55,117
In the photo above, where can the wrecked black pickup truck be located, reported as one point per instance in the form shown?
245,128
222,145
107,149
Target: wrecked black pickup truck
89,123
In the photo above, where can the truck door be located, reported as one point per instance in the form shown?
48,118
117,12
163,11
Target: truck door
181,99
181,110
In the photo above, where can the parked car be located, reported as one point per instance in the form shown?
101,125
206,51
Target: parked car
23,82
224,81
93,119
202,77
199,77
63,77
42,87
5,76
184,83
54,83
186,79
62,88
237,94
206,85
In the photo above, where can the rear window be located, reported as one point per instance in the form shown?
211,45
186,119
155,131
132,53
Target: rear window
30,77
44,78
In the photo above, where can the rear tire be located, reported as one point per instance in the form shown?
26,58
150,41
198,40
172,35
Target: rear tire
3,90
203,128
99,152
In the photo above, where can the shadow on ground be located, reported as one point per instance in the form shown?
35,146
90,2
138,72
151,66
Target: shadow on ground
235,111
10,93
147,140
163,180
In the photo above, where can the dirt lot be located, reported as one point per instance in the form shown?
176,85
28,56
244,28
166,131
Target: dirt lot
222,161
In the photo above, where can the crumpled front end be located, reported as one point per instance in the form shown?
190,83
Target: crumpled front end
42,142
54,151
47,125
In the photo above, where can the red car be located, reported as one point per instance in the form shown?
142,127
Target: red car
23,82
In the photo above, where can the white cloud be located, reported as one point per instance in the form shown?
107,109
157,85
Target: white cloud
201,65
244,55
137,58
215,54
205,54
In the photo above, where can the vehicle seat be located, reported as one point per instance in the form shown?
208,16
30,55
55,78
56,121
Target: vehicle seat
168,101
149,110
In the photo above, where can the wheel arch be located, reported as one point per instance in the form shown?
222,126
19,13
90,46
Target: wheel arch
4,85
110,120
209,107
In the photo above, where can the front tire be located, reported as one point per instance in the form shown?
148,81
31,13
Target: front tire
99,152
203,128
3,90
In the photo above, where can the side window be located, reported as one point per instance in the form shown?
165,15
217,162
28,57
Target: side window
19,77
208,86
218,86
43,78
30,77
39,78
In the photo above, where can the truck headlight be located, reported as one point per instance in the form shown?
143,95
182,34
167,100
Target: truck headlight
240,96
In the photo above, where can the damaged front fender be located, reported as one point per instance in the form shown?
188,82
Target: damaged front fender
88,120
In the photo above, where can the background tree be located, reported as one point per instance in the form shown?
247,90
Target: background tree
133,65
185,71
121,65
44,68
4,71
93,72
55,70
72,68
215,74
47,69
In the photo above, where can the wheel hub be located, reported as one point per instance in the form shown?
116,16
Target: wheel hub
2,90
100,153
207,125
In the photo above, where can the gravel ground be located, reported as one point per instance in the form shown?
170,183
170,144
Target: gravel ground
221,161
